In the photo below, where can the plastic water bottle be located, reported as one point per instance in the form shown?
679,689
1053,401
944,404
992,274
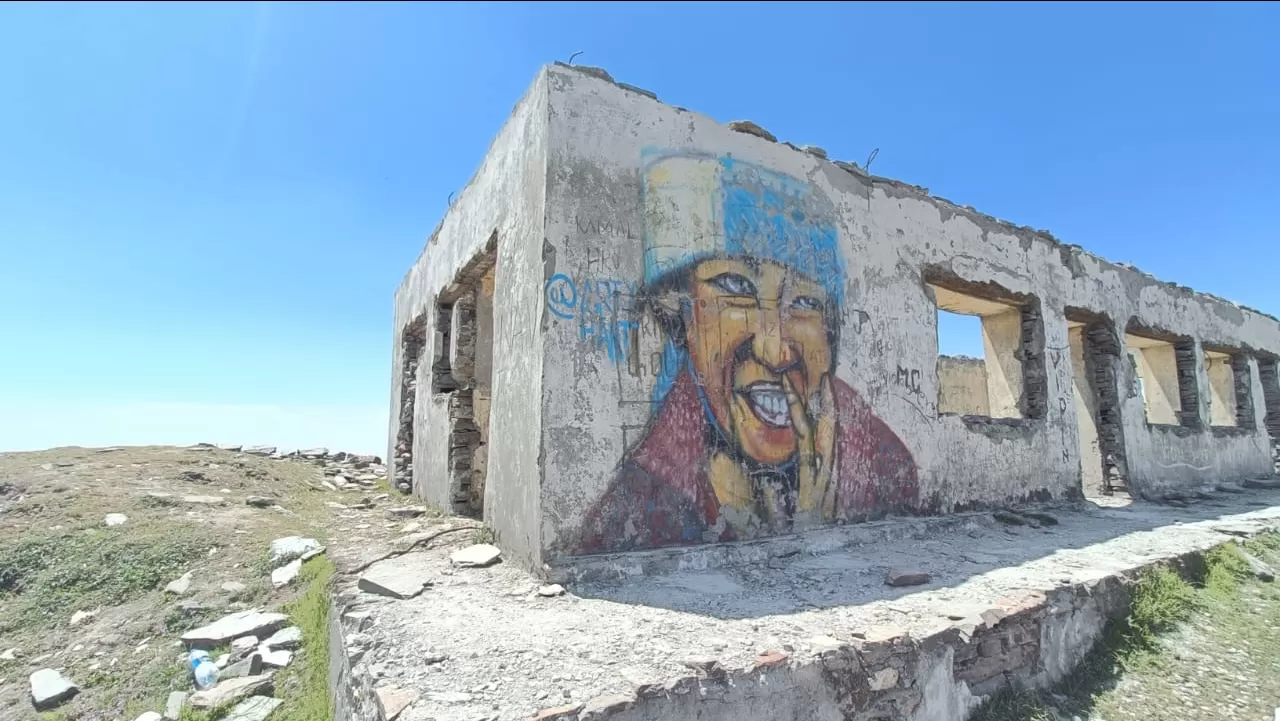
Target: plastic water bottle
202,668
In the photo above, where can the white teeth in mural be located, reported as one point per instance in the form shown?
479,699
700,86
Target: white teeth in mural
769,403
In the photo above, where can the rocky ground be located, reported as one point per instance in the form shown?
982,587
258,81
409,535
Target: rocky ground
460,642
109,556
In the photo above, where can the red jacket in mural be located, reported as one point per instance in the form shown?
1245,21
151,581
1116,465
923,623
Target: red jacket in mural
662,496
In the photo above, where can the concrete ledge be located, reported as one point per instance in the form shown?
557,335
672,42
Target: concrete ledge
819,636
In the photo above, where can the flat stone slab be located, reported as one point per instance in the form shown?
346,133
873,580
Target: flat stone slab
256,708
230,691
286,639
395,577
173,706
755,632
285,575
243,623
477,556
50,689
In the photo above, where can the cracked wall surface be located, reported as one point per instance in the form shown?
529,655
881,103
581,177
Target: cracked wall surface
704,335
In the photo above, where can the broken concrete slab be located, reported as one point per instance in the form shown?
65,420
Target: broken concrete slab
395,578
243,623
477,556
230,691
50,689
393,700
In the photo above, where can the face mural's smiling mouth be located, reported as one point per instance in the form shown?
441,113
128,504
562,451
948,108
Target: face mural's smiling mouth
768,402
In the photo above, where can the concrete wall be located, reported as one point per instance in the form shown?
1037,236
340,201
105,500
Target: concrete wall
704,335
503,204
962,386
653,432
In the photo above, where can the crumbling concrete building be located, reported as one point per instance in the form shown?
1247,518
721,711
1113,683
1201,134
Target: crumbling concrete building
640,336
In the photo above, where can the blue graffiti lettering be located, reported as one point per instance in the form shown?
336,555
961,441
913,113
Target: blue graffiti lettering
562,295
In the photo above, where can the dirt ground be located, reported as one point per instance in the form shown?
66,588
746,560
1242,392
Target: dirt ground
187,510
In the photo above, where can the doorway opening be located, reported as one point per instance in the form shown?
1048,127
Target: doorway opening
412,346
463,371
1095,355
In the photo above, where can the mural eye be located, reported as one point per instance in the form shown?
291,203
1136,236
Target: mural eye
806,302
734,284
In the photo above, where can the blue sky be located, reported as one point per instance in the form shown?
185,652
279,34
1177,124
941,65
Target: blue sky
206,208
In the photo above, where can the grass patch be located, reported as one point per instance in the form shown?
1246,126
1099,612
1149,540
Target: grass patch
1135,647
305,682
43,578
483,534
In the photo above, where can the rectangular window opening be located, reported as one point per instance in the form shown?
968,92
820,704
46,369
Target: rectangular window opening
1165,376
983,347
1230,389
1269,376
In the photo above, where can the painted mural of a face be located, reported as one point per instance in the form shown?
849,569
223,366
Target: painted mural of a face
752,433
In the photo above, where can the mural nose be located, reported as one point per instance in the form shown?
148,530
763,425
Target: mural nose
768,344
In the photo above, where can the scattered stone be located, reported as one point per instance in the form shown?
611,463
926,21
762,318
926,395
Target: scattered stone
823,644
256,708
204,500
362,461
477,556
234,587
115,519
360,620
1009,519
248,666
230,691
80,617
771,658
291,547
286,638
1259,569
449,697
750,128
179,586
46,466
260,501
1043,518
550,591
314,453
885,678
559,713
407,512
902,577
173,707
260,450
50,688
194,477
274,659
389,578
9,654
311,554
244,643
243,623
150,716
393,700
708,666
286,574
1262,483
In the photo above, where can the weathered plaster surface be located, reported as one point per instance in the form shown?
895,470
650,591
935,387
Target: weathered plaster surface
506,199
596,190
597,406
